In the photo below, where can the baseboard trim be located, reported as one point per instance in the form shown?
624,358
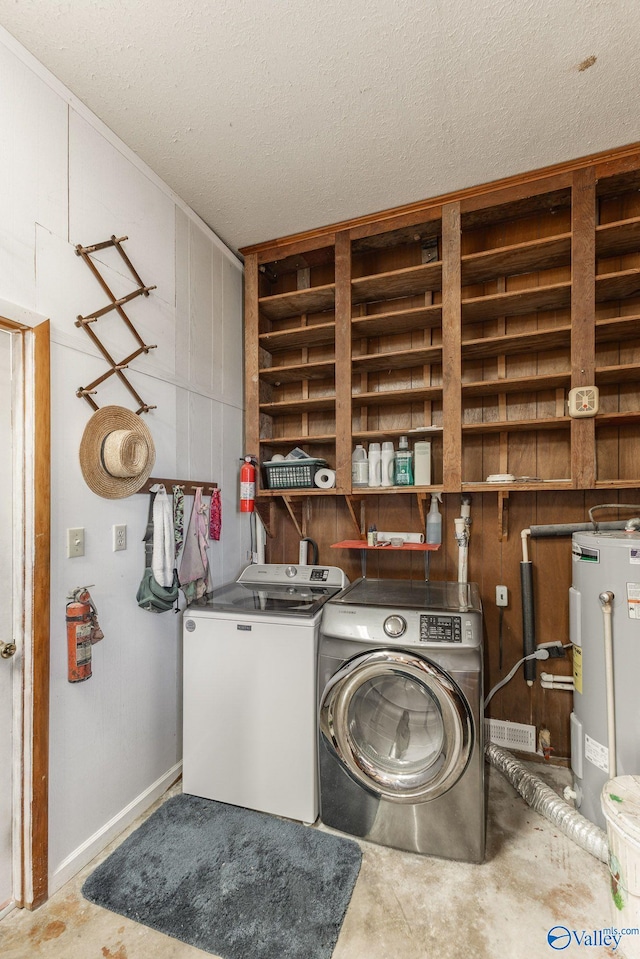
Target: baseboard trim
79,858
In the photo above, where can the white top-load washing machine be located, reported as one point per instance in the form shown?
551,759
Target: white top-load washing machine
249,681
401,716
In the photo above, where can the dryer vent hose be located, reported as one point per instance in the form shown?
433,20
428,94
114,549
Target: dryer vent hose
546,802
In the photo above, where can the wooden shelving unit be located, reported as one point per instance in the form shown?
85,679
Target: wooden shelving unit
464,321
292,355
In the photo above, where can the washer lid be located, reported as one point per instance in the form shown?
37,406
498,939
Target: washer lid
301,600
411,594
621,805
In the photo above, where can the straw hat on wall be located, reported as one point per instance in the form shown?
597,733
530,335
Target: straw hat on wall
116,452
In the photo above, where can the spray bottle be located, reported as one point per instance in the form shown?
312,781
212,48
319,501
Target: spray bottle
434,521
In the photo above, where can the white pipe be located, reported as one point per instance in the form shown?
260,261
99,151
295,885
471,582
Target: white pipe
261,539
525,544
606,600
463,558
551,681
552,684
462,539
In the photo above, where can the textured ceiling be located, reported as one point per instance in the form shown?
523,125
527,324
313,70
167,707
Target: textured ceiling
269,117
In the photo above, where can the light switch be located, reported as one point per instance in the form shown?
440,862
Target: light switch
75,542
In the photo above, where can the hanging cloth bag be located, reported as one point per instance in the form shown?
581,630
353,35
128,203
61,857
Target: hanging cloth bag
194,566
215,515
178,519
151,595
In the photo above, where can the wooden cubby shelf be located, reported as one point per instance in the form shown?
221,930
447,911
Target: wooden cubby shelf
398,321
406,282
416,434
627,373
402,360
482,308
618,239
312,300
616,286
518,426
526,257
554,484
303,336
521,384
618,328
295,373
464,321
309,405
512,345
396,397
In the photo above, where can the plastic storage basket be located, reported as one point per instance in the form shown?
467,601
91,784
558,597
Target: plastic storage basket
292,474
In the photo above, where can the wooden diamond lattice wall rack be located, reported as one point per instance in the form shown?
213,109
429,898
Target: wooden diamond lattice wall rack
116,368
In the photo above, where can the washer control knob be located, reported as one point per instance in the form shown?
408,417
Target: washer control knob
291,571
395,626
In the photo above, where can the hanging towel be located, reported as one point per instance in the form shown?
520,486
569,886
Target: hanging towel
178,518
162,561
215,515
194,566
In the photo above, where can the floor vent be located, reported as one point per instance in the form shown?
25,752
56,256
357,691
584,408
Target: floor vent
510,735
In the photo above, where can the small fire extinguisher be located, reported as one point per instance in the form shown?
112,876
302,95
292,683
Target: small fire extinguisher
82,632
247,485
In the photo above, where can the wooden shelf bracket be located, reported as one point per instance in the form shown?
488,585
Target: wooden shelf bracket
356,507
298,514
503,515
266,510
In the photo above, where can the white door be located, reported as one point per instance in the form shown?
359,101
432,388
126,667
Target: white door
6,627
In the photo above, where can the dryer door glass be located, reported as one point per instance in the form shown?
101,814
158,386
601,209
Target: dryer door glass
396,723
399,724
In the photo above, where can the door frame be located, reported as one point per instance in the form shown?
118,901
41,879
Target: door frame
32,577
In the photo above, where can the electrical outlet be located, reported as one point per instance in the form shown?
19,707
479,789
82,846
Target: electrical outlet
119,537
75,542
502,596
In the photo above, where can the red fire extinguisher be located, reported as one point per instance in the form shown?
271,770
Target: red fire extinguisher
247,485
82,632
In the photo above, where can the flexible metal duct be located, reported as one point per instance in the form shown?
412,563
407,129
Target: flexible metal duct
546,802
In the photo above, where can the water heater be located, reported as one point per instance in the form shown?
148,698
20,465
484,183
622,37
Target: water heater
606,562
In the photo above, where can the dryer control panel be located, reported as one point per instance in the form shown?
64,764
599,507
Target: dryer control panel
440,629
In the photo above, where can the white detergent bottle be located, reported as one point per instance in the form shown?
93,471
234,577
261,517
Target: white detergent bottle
434,521
388,459
359,467
375,465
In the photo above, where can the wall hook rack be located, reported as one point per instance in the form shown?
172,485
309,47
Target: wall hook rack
189,486
116,367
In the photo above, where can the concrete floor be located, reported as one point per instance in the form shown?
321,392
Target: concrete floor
403,907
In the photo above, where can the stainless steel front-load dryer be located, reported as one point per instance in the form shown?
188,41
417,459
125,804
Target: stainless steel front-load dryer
400,707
